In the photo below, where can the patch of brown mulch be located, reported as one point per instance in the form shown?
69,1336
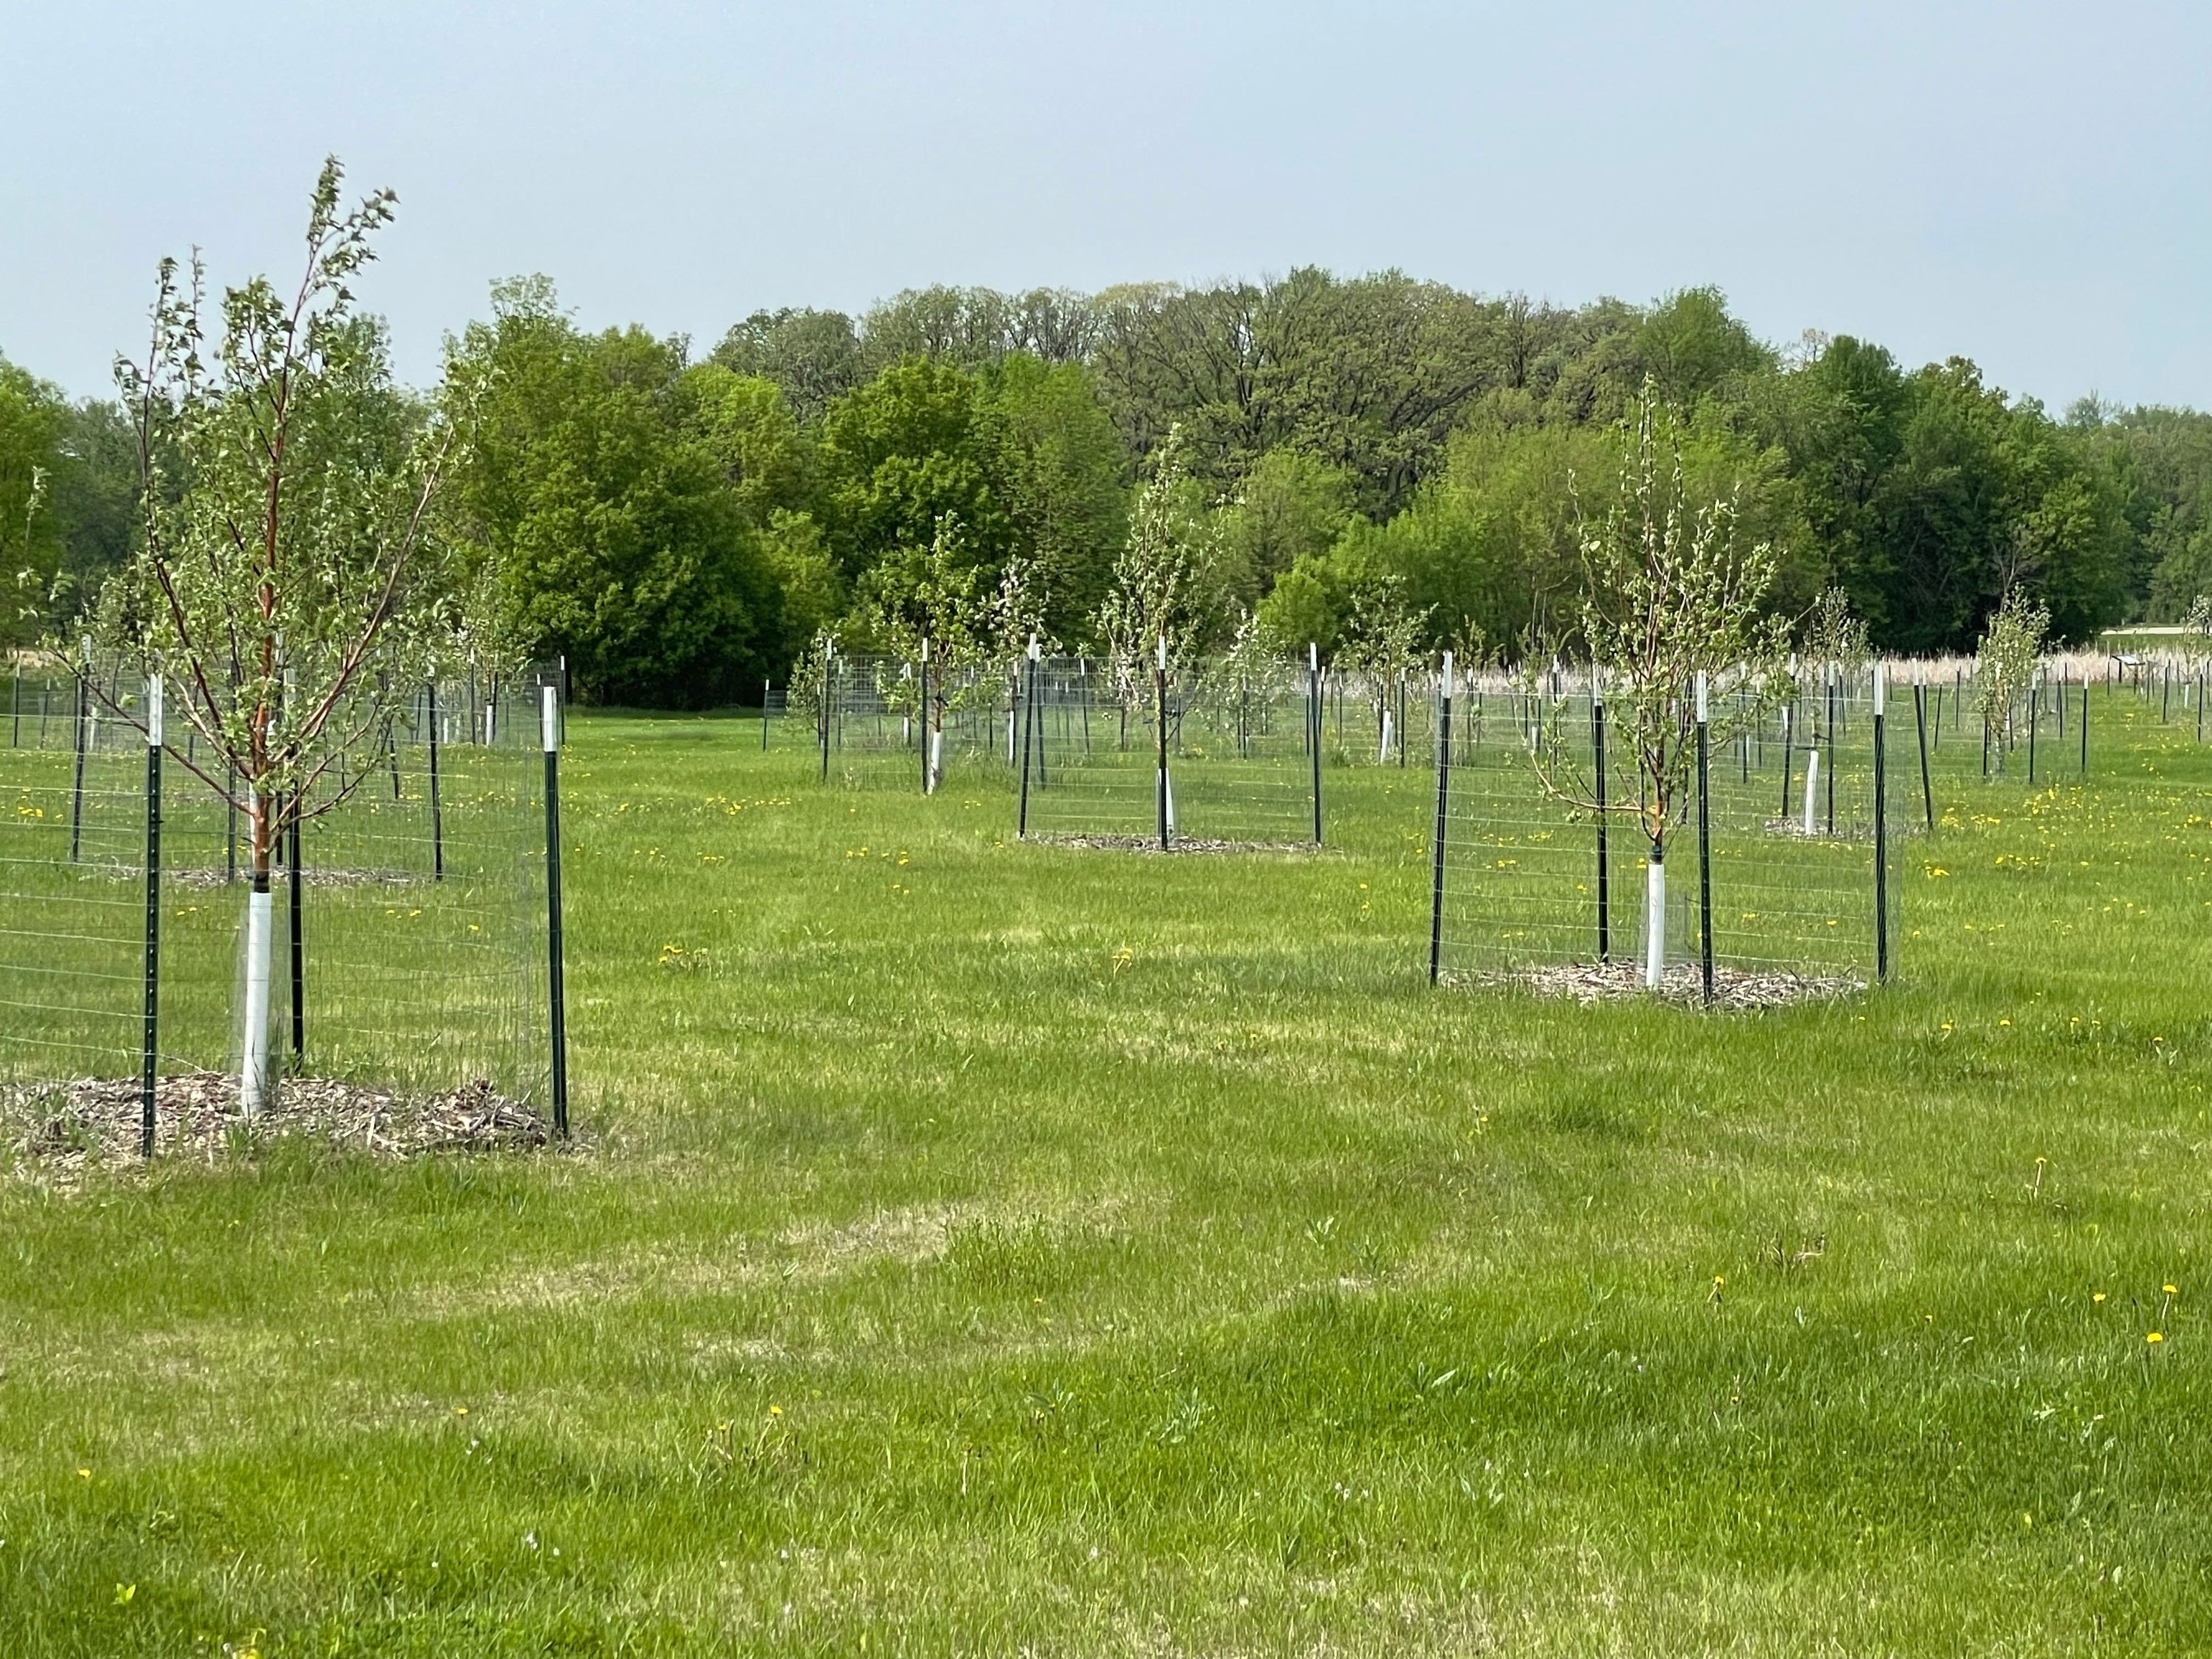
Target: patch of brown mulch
62,1129
1734,988
1177,844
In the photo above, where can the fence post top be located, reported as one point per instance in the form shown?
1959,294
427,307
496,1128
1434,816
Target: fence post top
548,718
154,711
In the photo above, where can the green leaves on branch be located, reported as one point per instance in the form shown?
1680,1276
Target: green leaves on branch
289,583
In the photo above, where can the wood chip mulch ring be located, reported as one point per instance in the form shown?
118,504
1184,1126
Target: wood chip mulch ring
1178,844
1734,988
64,1129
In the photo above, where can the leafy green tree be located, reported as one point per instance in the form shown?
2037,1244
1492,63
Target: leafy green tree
1839,418
599,506
1060,466
1289,506
972,328
1369,374
750,426
1692,348
35,423
915,445
96,497
813,356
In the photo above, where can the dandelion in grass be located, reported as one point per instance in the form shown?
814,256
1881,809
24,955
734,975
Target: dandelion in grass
2155,1337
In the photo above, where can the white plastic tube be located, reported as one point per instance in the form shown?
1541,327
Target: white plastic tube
253,1064
1812,783
1383,758
1654,923
936,759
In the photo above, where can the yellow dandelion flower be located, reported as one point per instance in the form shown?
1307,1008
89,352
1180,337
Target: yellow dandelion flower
2169,1289
2155,1336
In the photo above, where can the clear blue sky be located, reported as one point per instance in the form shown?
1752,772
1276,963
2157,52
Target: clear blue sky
2027,183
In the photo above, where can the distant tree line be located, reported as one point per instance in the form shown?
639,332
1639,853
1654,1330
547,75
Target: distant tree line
1351,459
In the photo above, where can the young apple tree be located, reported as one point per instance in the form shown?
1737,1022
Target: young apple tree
288,584
1671,596
2004,666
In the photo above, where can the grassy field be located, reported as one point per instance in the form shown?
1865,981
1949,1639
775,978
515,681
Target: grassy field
986,1248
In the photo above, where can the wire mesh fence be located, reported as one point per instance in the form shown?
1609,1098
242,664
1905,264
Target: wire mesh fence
1783,867
1220,750
411,938
1379,719
882,722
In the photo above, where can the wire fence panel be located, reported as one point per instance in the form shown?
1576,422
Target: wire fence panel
1379,720
1093,761
1234,736
1535,877
72,891
421,908
873,719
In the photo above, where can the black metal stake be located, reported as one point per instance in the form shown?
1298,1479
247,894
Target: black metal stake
437,802
1835,697
295,920
556,1003
1028,723
1920,724
76,795
149,1041
822,720
1604,864
1444,794
1789,754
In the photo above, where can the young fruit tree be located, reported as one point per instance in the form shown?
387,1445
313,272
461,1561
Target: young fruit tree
1671,597
2005,664
288,584
1166,603
930,607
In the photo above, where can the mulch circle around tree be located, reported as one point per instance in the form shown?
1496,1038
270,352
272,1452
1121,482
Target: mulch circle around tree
199,879
60,1130
1734,988
1178,844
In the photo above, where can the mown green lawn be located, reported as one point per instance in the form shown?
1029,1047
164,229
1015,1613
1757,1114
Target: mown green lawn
988,1248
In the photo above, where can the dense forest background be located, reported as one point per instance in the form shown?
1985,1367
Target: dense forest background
681,526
